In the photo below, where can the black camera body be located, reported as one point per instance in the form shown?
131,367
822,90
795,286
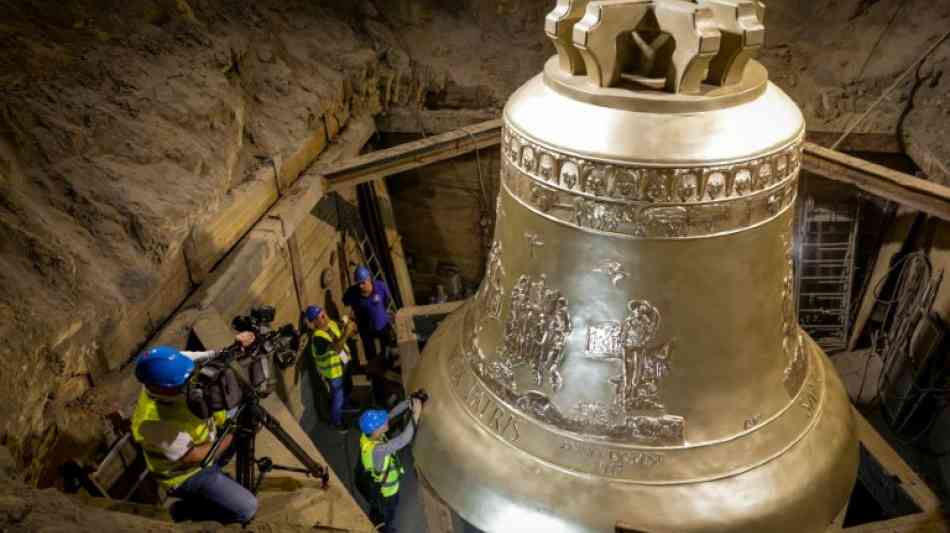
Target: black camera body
420,395
282,343
217,387
258,319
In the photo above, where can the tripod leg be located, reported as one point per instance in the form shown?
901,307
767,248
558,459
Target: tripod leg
245,466
272,425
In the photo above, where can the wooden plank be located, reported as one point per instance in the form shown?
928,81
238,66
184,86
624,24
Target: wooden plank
248,203
430,121
881,143
245,273
890,184
407,156
299,200
915,523
396,251
913,485
409,355
241,209
303,155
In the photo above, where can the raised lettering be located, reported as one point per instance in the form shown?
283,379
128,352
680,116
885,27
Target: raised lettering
512,429
493,420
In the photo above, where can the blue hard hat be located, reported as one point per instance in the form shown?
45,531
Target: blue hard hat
313,312
164,367
372,420
362,274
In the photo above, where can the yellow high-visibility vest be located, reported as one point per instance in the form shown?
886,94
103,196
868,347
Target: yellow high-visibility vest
392,468
176,414
329,362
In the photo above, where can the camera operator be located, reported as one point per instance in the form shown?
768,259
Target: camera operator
379,458
176,442
328,349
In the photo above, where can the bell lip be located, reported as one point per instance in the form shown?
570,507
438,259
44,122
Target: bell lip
724,136
837,417
712,97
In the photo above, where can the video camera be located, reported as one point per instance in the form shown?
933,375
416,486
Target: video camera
282,343
220,385
217,386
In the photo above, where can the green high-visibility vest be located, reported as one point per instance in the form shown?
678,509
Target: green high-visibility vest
179,419
392,468
329,362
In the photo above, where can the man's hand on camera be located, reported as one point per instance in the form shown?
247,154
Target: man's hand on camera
245,338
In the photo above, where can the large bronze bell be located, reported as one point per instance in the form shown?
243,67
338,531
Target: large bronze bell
633,354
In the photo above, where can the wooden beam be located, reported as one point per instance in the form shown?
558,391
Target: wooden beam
913,485
876,179
430,121
915,523
881,143
396,252
902,188
406,333
412,155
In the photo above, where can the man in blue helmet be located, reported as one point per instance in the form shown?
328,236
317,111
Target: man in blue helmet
369,300
175,442
328,349
379,458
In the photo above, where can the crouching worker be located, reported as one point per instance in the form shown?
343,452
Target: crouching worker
380,460
328,349
176,442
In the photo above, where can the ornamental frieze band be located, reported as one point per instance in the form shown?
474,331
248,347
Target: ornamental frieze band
637,185
648,220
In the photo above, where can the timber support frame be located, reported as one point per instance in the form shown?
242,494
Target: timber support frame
920,194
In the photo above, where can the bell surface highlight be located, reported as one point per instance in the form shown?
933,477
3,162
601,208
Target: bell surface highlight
633,354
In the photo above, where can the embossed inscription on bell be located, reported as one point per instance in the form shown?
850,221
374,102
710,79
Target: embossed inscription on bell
633,352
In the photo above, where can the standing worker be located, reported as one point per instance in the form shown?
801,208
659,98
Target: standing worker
379,459
175,442
328,349
369,300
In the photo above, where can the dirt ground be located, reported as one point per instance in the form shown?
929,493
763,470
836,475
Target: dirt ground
123,125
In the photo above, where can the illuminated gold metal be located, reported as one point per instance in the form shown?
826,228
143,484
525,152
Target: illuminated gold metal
633,354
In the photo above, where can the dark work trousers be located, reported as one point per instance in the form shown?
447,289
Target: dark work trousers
376,360
388,513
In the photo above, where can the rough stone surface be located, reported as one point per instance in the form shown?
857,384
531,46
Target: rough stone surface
26,509
123,127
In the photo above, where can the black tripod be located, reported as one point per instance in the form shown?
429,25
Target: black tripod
245,426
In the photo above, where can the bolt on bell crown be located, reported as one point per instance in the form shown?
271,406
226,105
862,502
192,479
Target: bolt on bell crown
633,353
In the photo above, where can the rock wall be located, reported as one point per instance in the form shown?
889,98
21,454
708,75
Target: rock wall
138,144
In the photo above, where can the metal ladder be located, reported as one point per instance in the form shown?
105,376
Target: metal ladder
349,223
828,235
